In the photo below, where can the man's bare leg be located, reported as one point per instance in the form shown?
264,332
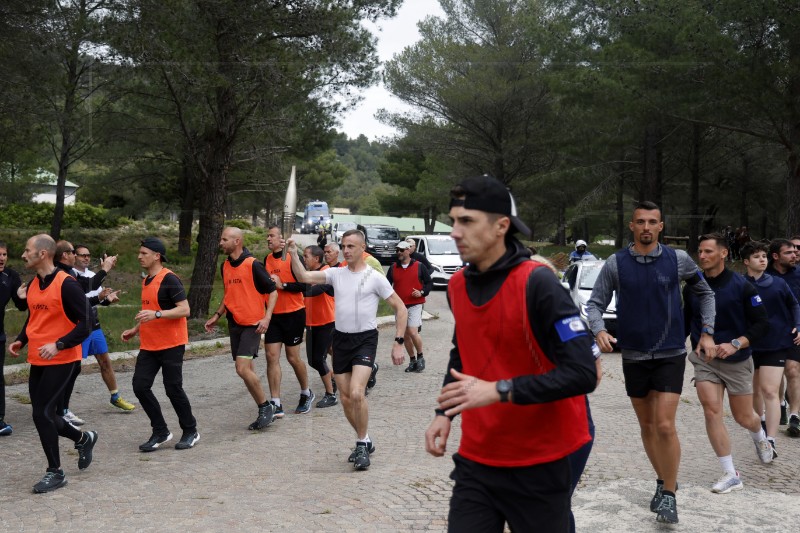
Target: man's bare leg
656,414
274,374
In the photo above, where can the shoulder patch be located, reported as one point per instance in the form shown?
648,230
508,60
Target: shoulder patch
755,301
570,327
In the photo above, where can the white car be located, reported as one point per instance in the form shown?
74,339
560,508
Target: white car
442,253
579,279
339,228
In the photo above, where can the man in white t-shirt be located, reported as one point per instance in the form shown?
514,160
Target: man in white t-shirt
358,290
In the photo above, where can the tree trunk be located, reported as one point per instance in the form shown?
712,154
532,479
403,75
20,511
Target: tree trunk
186,217
620,207
793,186
694,191
430,222
652,165
743,219
561,217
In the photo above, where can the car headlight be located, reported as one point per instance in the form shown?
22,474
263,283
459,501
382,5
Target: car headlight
584,313
437,268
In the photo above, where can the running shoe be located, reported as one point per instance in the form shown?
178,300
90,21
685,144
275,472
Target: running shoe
764,451
361,459
794,426
85,447
764,426
667,511
329,400
774,451
5,429
73,419
727,483
353,455
122,405
420,364
266,414
373,376
656,497
52,480
304,405
156,440
277,410
188,440
412,366
784,420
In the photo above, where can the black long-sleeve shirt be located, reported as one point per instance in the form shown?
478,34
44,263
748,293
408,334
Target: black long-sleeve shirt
9,283
548,302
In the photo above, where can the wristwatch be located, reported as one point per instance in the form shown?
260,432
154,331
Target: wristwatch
59,345
158,314
736,344
707,329
504,386
399,340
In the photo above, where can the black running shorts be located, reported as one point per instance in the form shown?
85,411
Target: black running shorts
660,375
287,328
350,349
776,358
244,340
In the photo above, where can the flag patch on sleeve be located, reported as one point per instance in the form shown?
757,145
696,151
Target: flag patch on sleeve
755,301
570,327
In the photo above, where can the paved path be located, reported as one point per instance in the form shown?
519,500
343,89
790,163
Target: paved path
294,475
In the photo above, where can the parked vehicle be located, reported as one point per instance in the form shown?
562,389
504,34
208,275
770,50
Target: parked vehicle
339,228
579,279
381,241
442,253
315,214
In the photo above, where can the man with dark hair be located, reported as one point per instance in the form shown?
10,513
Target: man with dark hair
646,277
163,334
10,282
247,287
57,324
358,289
513,382
741,319
320,322
286,327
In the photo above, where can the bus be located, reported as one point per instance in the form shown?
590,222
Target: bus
315,214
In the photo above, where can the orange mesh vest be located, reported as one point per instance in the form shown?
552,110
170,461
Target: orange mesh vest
48,322
496,342
160,333
320,309
242,299
288,302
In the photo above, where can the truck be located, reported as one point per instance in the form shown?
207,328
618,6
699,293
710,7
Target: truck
316,214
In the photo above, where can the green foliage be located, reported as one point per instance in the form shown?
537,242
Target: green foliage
239,223
79,215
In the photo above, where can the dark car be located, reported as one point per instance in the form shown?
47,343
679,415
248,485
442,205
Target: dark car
381,241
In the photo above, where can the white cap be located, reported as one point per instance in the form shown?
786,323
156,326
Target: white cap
579,243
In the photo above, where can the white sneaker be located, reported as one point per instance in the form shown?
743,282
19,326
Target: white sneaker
71,418
764,451
727,483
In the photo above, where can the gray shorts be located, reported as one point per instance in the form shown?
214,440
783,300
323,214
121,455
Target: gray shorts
736,377
414,316
245,341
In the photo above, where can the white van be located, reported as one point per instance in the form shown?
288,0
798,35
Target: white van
442,253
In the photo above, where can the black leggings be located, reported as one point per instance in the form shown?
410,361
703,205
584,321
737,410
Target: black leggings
2,380
318,340
63,405
46,388
170,362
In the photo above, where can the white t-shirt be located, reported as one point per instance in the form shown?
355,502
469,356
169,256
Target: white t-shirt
356,297
89,274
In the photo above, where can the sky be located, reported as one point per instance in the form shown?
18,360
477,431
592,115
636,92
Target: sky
393,36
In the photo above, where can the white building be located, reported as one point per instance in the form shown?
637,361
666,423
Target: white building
47,189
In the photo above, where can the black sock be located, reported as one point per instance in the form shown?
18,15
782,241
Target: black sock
264,404
419,355
413,358
668,493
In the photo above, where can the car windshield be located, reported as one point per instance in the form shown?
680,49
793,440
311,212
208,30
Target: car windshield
383,234
589,276
442,247
346,226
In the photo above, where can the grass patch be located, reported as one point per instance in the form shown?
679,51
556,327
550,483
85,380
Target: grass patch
21,398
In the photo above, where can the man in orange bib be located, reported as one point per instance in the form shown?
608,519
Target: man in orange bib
58,322
246,285
163,334
320,318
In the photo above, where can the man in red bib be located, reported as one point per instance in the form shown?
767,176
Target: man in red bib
58,322
163,334
523,356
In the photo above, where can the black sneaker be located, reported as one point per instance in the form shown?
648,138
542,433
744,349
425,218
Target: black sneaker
188,440
52,480
5,429
266,414
656,497
156,440
794,426
420,364
772,443
329,400
373,377
353,455
764,426
277,410
667,511
361,459
784,420
412,366
304,405
85,448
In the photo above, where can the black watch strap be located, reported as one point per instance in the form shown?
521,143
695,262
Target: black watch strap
399,340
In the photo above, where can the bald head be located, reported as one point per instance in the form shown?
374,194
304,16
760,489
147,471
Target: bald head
231,241
45,242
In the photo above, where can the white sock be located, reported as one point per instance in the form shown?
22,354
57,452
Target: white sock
365,439
758,436
306,392
727,464
763,417
783,403
276,401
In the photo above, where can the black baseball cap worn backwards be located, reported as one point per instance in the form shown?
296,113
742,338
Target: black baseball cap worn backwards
486,193
155,244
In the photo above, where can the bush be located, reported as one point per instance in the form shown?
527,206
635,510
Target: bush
79,215
239,223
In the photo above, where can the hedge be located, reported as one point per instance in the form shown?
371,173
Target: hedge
79,215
